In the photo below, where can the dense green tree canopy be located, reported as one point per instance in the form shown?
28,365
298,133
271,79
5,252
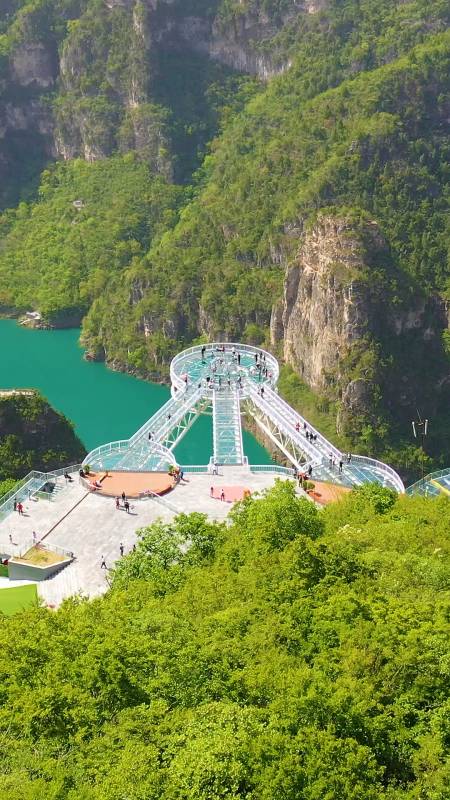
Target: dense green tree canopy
303,659
33,436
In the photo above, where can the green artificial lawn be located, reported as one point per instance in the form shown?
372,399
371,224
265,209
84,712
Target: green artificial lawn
17,598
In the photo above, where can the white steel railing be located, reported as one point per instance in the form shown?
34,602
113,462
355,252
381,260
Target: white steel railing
122,446
53,548
278,416
176,407
321,444
381,467
29,486
192,468
227,428
277,469
149,494
105,449
418,485
284,416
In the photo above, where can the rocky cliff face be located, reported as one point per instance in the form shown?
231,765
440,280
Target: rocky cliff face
326,306
104,67
26,119
244,41
340,321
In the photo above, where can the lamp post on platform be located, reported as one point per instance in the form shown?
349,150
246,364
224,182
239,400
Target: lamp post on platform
420,428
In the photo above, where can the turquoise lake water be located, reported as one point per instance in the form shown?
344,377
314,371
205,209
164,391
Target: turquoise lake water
103,405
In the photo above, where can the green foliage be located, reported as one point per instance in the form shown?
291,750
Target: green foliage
59,258
7,485
306,664
33,436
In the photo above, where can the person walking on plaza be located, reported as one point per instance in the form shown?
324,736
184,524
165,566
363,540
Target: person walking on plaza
222,495
211,491
20,508
121,548
117,503
15,504
103,564
341,464
127,506
124,497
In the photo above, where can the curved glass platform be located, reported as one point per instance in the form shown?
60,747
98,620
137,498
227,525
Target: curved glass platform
221,367
432,485
229,379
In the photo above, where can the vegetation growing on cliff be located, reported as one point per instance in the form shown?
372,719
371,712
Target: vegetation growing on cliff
355,123
92,222
294,654
33,436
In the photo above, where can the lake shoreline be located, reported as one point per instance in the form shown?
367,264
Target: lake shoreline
105,402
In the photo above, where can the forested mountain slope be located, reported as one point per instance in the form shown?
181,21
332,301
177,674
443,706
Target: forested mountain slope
315,221
34,436
295,654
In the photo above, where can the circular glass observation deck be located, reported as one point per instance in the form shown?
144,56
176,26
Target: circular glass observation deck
219,366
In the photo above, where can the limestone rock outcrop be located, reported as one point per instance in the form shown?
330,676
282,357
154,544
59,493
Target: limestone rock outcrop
340,320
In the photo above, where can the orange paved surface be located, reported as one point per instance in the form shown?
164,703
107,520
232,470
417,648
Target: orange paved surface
232,493
133,483
325,493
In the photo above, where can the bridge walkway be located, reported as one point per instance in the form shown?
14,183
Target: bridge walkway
227,428
166,427
287,427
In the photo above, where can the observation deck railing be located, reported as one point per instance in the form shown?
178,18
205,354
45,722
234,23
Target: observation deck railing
176,366
29,486
381,467
123,446
419,487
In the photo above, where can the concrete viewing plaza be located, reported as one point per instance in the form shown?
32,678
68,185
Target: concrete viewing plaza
90,526
80,516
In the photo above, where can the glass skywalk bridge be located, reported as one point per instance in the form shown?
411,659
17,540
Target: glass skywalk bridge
229,379
227,429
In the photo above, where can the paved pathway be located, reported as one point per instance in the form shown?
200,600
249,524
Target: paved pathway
91,527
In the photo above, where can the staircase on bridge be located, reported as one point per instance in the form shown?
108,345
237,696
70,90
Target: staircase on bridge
227,429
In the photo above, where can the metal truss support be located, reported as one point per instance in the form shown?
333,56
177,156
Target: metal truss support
285,443
181,426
